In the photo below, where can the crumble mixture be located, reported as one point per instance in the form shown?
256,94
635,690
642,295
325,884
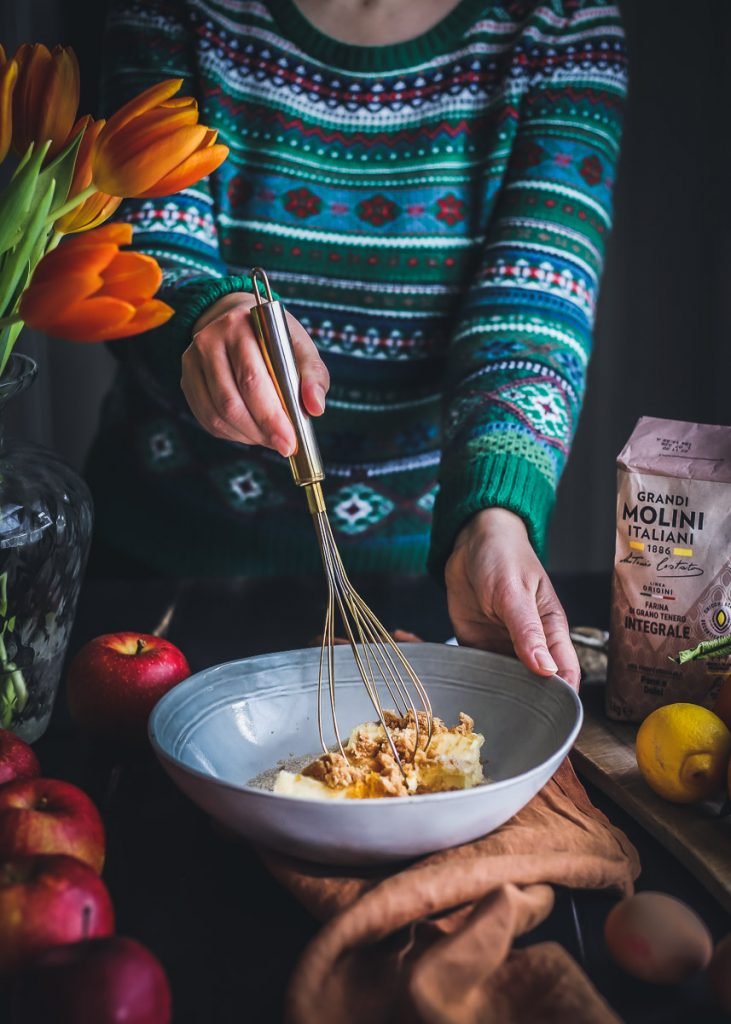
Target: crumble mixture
451,760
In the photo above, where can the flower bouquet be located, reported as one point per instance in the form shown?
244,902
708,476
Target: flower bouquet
66,272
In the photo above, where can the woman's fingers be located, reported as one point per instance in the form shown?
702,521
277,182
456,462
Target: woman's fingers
538,629
239,400
228,385
258,395
195,389
499,595
556,628
230,414
517,605
313,372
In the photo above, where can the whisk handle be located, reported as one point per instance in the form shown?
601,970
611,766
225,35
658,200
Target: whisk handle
275,342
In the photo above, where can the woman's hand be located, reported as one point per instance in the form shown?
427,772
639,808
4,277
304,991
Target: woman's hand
501,599
226,382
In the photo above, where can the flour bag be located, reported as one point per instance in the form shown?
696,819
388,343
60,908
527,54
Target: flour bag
671,587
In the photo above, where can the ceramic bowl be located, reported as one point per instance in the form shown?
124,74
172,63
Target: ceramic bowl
222,727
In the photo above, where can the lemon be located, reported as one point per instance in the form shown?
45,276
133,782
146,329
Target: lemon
683,752
722,707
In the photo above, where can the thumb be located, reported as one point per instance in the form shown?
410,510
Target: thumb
315,379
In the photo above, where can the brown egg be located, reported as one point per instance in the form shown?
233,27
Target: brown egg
657,938
719,973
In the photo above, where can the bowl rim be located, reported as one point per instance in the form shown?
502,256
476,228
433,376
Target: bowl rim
176,692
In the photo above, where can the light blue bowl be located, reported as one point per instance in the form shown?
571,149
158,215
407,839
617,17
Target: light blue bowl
224,726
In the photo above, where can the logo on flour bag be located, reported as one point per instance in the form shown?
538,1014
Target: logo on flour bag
671,586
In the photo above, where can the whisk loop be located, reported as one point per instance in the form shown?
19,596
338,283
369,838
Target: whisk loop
380,661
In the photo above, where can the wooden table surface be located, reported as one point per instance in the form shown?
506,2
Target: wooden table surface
699,835
229,936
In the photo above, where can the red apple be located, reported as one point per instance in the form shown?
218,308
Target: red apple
115,680
100,981
50,816
46,901
17,760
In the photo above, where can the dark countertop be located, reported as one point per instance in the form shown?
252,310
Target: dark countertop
202,901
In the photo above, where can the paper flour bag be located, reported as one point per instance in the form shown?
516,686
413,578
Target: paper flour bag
672,568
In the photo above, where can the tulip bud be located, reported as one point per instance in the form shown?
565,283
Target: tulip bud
8,79
46,96
153,146
87,289
98,207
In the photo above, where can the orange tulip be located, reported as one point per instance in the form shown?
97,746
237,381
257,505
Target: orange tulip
8,78
88,290
98,207
153,146
46,96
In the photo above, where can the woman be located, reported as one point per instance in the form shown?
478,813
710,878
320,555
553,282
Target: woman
428,187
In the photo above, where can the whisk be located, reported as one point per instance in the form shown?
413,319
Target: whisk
380,662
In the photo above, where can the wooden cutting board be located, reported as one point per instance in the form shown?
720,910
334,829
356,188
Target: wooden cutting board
699,835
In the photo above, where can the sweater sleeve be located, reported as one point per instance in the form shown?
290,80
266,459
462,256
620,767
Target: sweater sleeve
144,44
518,358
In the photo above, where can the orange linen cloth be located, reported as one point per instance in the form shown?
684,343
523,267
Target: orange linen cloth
431,942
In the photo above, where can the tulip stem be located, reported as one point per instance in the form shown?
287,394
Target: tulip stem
13,691
71,204
8,321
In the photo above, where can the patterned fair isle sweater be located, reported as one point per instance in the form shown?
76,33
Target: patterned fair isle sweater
435,212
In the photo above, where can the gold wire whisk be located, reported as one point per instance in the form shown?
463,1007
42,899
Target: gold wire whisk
380,661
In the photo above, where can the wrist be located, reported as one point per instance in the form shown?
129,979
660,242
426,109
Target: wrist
221,306
490,522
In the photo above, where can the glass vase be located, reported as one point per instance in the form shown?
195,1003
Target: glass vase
45,532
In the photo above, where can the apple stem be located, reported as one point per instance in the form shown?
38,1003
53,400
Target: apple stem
140,646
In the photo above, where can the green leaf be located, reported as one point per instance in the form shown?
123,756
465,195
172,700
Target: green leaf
17,263
62,169
716,648
8,700
13,694
36,255
21,690
23,160
19,288
8,337
16,201
11,623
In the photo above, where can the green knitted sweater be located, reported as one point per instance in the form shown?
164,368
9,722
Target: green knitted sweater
434,212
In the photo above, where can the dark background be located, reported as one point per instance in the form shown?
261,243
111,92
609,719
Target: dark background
662,344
